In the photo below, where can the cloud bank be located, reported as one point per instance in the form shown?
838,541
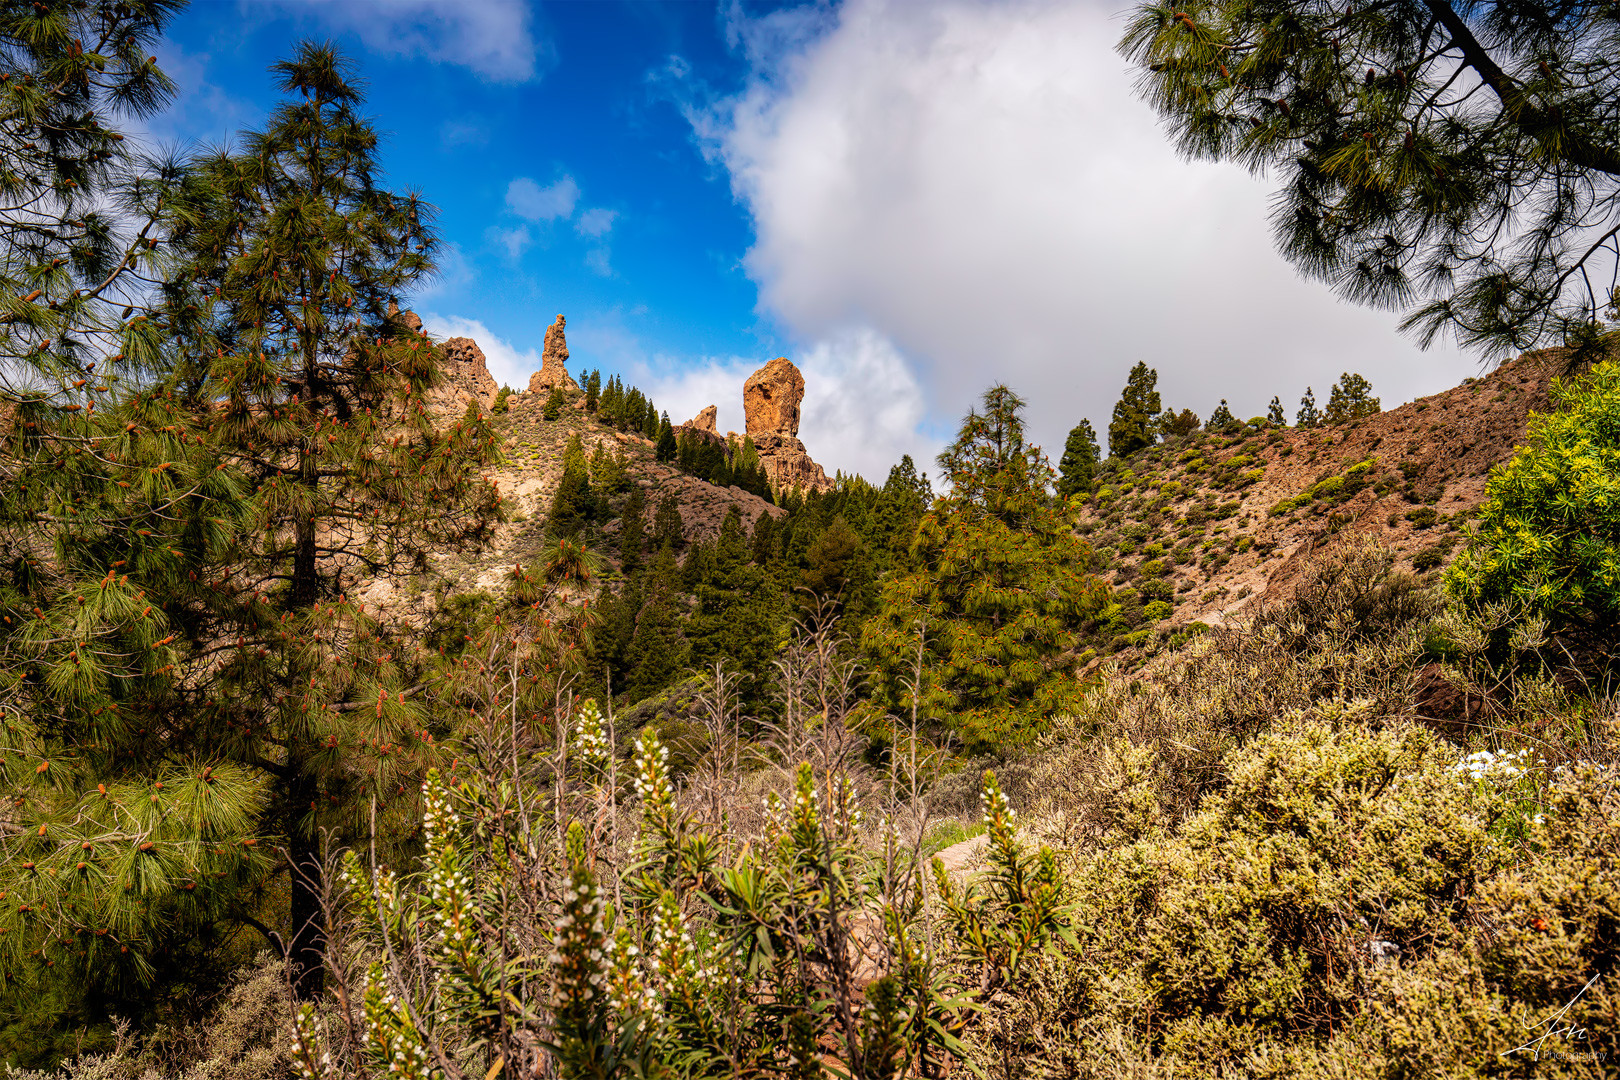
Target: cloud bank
968,192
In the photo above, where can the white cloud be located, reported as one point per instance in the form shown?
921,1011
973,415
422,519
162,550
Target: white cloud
494,38
529,200
596,222
506,364
599,261
512,241
685,389
862,410
975,182
863,407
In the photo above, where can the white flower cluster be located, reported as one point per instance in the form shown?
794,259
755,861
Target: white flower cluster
392,1035
309,1046
652,773
437,815
594,751
992,801
846,805
1504,766
581,964
628,993
673,957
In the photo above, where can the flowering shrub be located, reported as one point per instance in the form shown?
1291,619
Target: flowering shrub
519,949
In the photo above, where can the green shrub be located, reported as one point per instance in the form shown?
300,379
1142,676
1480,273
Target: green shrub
1328,488
1423,517
1549,530
1158,611
1428,558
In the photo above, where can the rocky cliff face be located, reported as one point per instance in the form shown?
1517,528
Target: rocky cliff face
467,380
771,399
553,362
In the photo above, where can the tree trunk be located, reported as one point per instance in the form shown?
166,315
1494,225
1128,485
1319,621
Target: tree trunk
305,917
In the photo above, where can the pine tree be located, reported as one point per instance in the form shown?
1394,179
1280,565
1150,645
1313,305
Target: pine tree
741,613
901,503
686,451
299,381
658,651
837,568
1275,414
667,447
572,505
1308,417
102,520
554,404
632,530
988,442
593,390
1131,428
1079,463
668,529
995,596
1221,418
1351,399
1172,424
765,550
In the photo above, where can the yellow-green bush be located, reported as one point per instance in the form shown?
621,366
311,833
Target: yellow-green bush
1342,907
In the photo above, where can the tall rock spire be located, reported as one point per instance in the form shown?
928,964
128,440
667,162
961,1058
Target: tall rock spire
553,362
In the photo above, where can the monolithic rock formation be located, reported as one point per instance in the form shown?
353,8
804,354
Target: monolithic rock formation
553,362
771,399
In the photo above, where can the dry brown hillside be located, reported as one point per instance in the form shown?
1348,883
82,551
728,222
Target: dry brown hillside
1209,523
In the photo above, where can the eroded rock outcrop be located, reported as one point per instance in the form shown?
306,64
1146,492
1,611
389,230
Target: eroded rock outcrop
771,399
553,362
704,420
466,375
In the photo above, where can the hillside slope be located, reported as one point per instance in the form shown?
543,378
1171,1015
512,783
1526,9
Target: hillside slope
1211,523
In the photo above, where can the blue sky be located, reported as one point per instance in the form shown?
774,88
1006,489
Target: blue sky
909,200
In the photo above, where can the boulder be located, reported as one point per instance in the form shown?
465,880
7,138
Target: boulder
553,362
